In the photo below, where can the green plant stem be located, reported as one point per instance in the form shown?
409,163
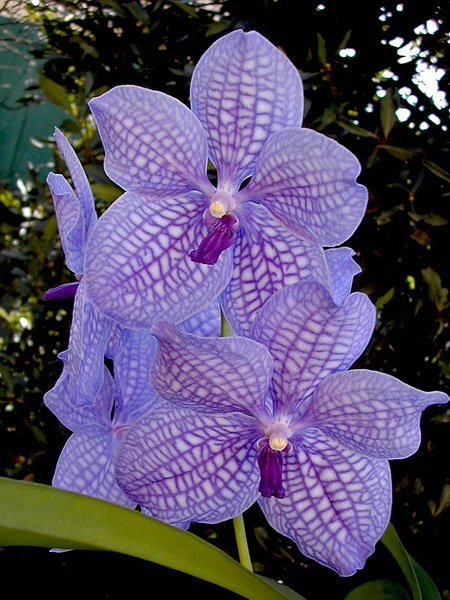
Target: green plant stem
241,540
238,522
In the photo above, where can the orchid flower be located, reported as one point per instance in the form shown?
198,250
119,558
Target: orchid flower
173,242
278,418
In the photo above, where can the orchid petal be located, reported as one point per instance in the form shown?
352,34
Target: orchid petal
152,141
61,402
337,503
137,265
86,465
185,466
371,413
266,258
342,271
70,221
310,337
307,181
210,375
80,183
243,89
89,335
134,394
64,291
206,322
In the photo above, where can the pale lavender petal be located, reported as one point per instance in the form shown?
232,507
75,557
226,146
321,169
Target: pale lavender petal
89,335
137,265
152,141
80,183
342,271
206,322
371,413
243,89
86,465
63,405
134,394
337,503
310,337
185,466
210,374
70,221
266,258
308,182
184,525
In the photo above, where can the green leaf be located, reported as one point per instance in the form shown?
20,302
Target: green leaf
385,298
387,113
33,514
355,129
399,152
55,93
437,170
379,589
427,586
321,50
105,192
437,293
392,542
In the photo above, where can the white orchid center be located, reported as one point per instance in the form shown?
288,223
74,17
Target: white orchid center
222,203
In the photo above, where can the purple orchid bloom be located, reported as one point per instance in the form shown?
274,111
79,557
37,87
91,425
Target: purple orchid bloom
279,419
86,463
174,241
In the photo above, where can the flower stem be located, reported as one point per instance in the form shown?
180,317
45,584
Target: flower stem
241,540
238,522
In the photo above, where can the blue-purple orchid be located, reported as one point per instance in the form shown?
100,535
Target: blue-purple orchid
281,419
173,242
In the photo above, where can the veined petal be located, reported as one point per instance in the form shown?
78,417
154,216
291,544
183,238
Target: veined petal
267,257
134,394
308,182
89,335
80,183
342,271
309,337
70,221
243,89
86,465
210,375
152,141
337,503
60,401
185,466
371,413
137,265
206,322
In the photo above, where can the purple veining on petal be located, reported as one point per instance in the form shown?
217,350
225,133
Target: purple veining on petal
220,237
66,290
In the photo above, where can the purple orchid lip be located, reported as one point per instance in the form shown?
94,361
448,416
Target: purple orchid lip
220,237
66,290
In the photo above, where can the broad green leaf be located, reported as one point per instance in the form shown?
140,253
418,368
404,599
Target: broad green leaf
427,586
392,542
33,514
379,589
385,298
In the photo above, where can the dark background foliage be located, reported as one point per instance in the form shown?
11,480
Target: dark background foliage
77,50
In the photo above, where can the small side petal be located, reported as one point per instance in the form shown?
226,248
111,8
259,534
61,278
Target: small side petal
210,375
310,337
86,466
152,141
267,257
243,89
337,503
183,466
371,413
137,265
308,182
342,271
70,221
79,180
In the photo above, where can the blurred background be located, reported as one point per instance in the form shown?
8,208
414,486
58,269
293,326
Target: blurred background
376,79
